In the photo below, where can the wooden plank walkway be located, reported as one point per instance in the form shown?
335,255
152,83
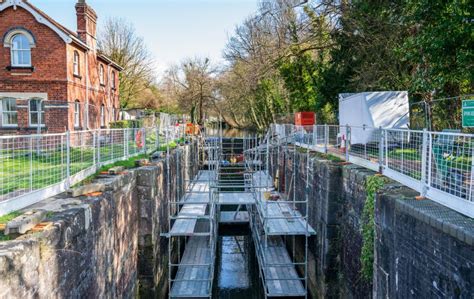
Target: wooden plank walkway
204,176
236,198
286,222
188,215
199,187
194,273
281,280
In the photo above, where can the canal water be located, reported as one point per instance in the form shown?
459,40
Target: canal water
237,267
237,273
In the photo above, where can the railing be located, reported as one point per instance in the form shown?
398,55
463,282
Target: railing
35,167
439,165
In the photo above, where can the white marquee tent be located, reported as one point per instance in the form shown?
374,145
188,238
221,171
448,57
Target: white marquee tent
386,109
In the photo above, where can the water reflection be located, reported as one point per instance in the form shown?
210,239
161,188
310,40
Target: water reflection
237,269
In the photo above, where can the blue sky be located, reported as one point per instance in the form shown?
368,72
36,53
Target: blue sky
173,29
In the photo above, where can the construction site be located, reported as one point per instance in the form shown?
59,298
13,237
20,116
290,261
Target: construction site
239,181
299,211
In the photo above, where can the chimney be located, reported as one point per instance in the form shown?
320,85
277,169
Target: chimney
86,23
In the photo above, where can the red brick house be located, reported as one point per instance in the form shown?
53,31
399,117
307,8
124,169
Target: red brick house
52,74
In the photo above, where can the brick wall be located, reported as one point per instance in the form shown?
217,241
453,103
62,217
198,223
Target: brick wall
52,60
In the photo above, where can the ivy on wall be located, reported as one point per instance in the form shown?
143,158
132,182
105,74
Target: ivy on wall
372,185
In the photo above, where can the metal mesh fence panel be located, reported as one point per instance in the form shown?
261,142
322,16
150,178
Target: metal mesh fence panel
450,164
111,145
404,151
365,143
82,151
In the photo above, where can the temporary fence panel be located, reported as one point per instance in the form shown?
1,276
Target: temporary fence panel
35,167
439,165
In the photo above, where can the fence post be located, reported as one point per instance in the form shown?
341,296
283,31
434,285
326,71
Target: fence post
315,136
326,138
383,135
144,140
472,173
31,163
68,159
124,134
157,135
125,145
94,162
347,141
425,168
98,147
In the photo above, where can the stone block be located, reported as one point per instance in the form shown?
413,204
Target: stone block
87,189
146,176
24,223
145,193
142,162
116,170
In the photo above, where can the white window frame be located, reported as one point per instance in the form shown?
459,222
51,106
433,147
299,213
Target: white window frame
2,112
43,112
77,114
8,43
14,51
76,64
102,116
101,74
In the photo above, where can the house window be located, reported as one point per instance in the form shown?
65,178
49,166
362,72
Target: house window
76,63
20,51
113,79
9,112
36,107
101,74
102,116
77,114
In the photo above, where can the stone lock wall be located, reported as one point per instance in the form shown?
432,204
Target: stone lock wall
109,245
422,249
336,197
88,251
155,190
104,246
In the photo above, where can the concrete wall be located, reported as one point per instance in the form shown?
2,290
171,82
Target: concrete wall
104,246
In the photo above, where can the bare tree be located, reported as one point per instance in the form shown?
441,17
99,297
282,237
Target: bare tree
120,41
193,85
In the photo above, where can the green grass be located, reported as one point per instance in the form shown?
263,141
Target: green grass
49,167
406,154
4,220
129,163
